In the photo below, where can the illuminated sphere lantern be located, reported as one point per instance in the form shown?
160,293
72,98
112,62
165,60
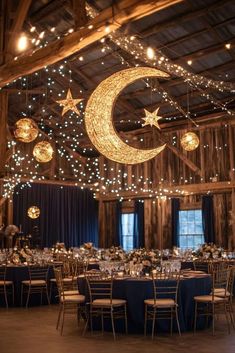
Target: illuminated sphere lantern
26,130
43,152
189,141
33,212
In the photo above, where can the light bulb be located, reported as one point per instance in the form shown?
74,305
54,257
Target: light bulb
150,53
22,42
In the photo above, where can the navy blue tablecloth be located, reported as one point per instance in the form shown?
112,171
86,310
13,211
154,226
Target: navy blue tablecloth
17,274
135,291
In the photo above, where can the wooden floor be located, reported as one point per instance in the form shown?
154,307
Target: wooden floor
33,330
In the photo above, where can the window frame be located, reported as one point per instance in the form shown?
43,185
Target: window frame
195,235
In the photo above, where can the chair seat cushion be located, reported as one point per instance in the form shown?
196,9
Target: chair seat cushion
65,280
74,299
35,282
71,292
221,292
161,303
6,283
208,298
107,302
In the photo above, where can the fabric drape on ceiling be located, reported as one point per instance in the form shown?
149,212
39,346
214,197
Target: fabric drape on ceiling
175,207
139,225
208,219
68,214
109,224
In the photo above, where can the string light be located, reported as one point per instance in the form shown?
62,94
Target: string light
88,172
150,53
22,43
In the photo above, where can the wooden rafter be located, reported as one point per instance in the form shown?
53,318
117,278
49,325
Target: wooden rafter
156,28
126,11
18,22
178,190
79,13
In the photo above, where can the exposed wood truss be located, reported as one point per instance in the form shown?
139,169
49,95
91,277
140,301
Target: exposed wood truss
126,11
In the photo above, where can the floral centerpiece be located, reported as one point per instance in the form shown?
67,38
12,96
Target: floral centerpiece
148,258
19,256
87,251
114,253
208,251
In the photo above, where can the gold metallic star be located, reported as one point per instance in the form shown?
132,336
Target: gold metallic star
69,103
152,118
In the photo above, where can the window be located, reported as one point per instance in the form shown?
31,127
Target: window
128,231
191,233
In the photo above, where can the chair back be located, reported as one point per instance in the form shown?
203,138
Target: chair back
166,286
202,265
220,280
100,286
38,273
59,281
3,270
231,281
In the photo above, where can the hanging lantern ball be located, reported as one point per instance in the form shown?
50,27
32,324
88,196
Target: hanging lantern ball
33,212
43,152
189,141
26,130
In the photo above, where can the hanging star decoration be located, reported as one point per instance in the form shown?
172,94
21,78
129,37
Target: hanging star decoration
70,103
152,118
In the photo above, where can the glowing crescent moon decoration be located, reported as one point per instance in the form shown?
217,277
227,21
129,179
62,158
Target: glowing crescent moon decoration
99,117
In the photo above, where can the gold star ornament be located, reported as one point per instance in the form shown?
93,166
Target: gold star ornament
70,103
152,118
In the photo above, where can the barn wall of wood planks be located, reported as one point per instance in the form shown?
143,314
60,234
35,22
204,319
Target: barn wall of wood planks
177,173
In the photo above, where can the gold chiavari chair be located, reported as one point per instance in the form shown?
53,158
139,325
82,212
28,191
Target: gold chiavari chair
36,284
202,265
71,269
70,302
102,304
228,293
164,304
212,305
6,285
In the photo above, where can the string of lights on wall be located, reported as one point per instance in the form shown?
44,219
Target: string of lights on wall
90,173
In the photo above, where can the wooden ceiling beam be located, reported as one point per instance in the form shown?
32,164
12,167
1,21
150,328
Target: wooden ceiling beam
79,13
188,37
199,54
46,10
124,12
158,27
172,191
17,25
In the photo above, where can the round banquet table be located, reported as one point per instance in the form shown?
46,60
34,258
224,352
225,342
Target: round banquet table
17,274
136,290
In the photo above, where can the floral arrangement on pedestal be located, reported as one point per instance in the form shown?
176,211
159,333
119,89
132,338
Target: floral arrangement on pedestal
208,251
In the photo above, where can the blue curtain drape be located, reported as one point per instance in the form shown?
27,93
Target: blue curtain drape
139,225
175,207
208,218
68,214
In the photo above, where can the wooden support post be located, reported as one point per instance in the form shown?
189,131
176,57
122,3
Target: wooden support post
233,220
3,127
79,13
17,25
231,152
